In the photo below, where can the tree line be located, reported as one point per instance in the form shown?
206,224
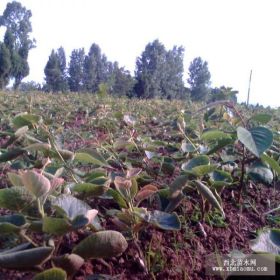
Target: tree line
158,74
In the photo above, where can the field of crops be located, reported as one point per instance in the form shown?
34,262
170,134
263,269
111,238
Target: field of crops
95,187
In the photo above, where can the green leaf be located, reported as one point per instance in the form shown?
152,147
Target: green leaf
259,172
187,147
71,206
25,119
89,189
174,201
43,147
12,154
103,244
26,258
271,162
209,196
15,219
214,135
268,241
71,263
220,178
36,183
15,179
8,228
179,183
262,118
162,220
88,158
221,143
18,248
134,188
57,226
21,132
197,161
15,198
257,140
164,195
51,274
203,169
117,197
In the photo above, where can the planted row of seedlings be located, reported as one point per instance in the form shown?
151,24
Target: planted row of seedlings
110,169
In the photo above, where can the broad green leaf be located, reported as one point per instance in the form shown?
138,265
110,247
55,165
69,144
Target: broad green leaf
43,147
268,241
57,226
221,143
11,154
117,197
60,153
66,154
15,219
202,170
262,118
187,147
51,274
259,172
257,140
89,158
18,248
15,198
36,183
21,131
134,188
26,258
214,135
197,161
36,226
209,196
103,244
162,220
271,162
123,185
71,206
179,183
89,189
24,119
8,228
15,179
167,166
220,178
71,263
174,201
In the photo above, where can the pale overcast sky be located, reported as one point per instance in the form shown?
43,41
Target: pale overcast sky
234,36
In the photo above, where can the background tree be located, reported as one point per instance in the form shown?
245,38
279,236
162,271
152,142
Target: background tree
62,66
16,20
149,72
95,69
75,70
223,93
120,81
159,72
5,65
172,84
199,79
29,86
55,72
